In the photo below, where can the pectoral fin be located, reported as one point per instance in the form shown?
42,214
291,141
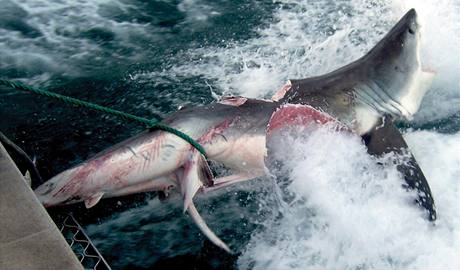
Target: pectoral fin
205,229
196,174
386,138
93,199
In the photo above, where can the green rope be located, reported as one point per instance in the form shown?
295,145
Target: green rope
151,124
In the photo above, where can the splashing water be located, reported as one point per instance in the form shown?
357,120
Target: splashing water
344,211
350,213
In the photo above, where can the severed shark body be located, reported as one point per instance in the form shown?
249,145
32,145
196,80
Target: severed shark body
361,98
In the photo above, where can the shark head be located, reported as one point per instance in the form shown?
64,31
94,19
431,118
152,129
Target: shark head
388,80
61,189
400,45
394,72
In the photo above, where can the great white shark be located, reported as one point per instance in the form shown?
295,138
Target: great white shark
386,82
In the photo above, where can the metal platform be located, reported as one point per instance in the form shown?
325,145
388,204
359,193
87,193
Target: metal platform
29,239
81,244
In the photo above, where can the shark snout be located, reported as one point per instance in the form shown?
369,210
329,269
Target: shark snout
410,21
58,190
47,196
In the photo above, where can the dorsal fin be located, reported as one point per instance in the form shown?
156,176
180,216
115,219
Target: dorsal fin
282,92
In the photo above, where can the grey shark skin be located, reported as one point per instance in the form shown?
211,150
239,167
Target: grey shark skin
387,80
234,130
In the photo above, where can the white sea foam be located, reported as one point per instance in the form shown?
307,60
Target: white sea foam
438,155
197,11
350,213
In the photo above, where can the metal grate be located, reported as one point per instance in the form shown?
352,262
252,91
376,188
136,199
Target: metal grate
81,245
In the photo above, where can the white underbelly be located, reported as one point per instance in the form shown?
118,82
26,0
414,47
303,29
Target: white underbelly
245,154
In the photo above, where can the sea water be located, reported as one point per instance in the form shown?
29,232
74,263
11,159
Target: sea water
343,210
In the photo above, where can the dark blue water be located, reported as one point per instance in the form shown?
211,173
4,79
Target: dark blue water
60,136
100,75
148,58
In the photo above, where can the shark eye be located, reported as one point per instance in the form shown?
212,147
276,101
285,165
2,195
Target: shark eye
411,31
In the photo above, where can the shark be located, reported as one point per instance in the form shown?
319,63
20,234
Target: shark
367,95
386,83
